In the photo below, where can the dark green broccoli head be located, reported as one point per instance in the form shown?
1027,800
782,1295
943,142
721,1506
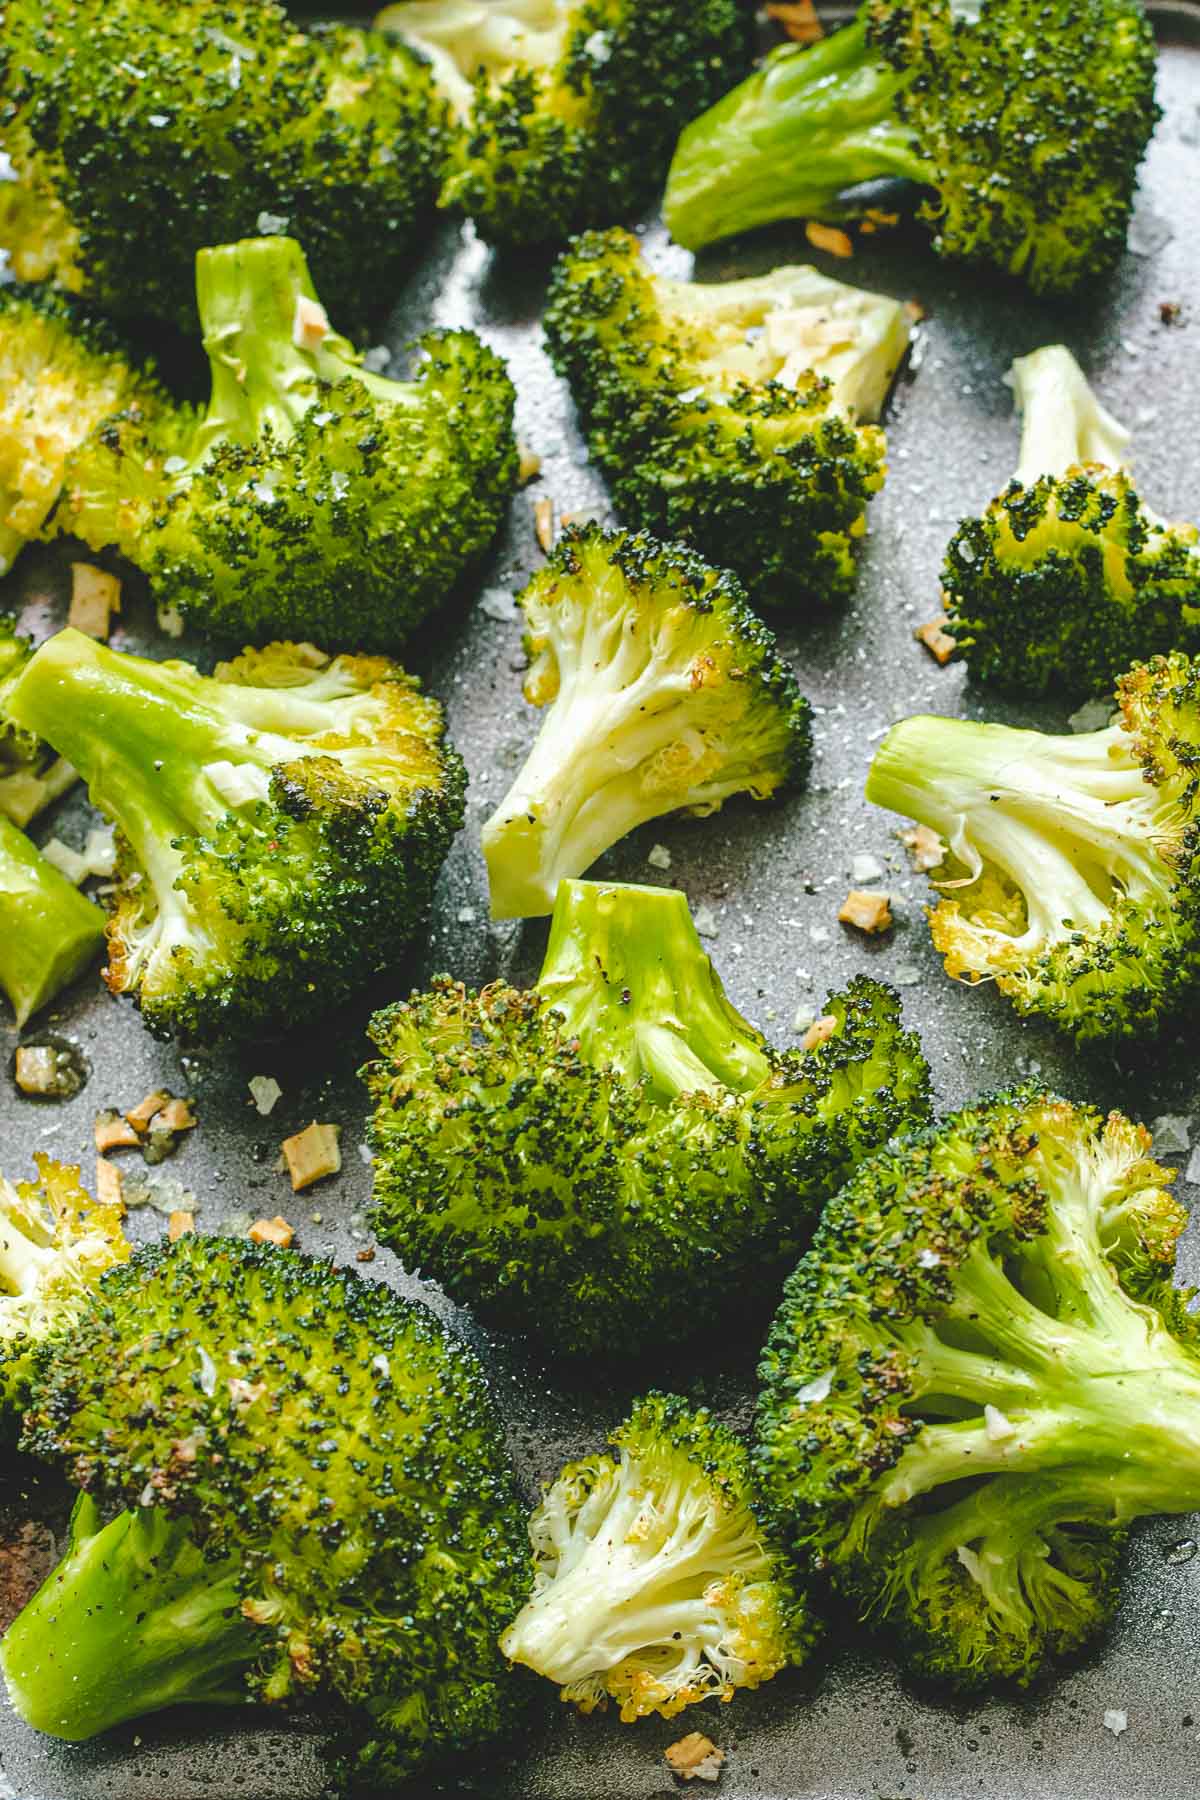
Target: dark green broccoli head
319,1506
1073,879
1068,577
143,130
736,417
312,498
663,691
655,1585
565,111
280,826
975,1382
607,1157
1027,120
62,371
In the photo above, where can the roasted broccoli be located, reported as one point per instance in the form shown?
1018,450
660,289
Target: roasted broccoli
616,1156
279,826
1073,862
654,1583
663,691
49,932
141,130
1068,577
55,1243
1028,121
31,775
61,373
312,498
319,1506
737,417
565,111
979,1376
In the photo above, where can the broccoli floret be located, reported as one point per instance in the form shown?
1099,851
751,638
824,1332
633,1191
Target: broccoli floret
1028,121
61,373
565,111
663,691
312,498
318,1502
1068,577
31,775
616,1156
142,130
55,1243
973,1385
654,1583
737,417
1074,864
49,932
279,826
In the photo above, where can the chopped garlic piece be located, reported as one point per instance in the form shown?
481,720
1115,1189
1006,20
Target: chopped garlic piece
659,857
866,911
936,639
828,238
798,18
695,1757
529,466
1116,1720
67,861
108,1183
36,1069
265,1092
925,848
543,523
112,1132
272,1231
310,324
179,1224
312,1154
95,596
176,1115
819,1032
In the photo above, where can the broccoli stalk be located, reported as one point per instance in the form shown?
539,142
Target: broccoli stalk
655,1584
990,103
279,826
979,1376
665,691
49,931
1074,861
134,1618
1069,576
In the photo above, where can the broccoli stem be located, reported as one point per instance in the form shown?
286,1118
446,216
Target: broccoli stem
133,1619
1062,422
22,1262
625,967
49,931
790,141
1071,821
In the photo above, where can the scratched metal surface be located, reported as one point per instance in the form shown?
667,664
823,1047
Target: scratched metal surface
851,1728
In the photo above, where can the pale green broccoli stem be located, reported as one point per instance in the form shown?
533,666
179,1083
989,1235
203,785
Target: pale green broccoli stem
254,298
132,1620
645,1535
462,42
1062,422
790,142
1070,821
49,931
627,971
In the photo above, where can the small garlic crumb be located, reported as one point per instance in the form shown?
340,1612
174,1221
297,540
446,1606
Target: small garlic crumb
659,857
68,862
936,639
866,911
529,466
312,1154
805,1016
798,18
695,1757
915,311
170,621
828,238
466,915
925,848
1116,1720
819,1032
265,1092
36,1069
310,323
865,868
543,523
139,1116
95,596
112,1132
108,1183
271,1231
179,1224
705,921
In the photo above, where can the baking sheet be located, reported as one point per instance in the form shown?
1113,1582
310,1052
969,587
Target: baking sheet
851,1727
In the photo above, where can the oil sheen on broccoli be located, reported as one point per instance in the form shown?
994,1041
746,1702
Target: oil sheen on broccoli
142,130
616,1156
62,372
55,1244
312,498
1073,874
1069,577
49,931
980,1375
663,691
1026,119
740,416
279,825
318,1506
564,112
655,1585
